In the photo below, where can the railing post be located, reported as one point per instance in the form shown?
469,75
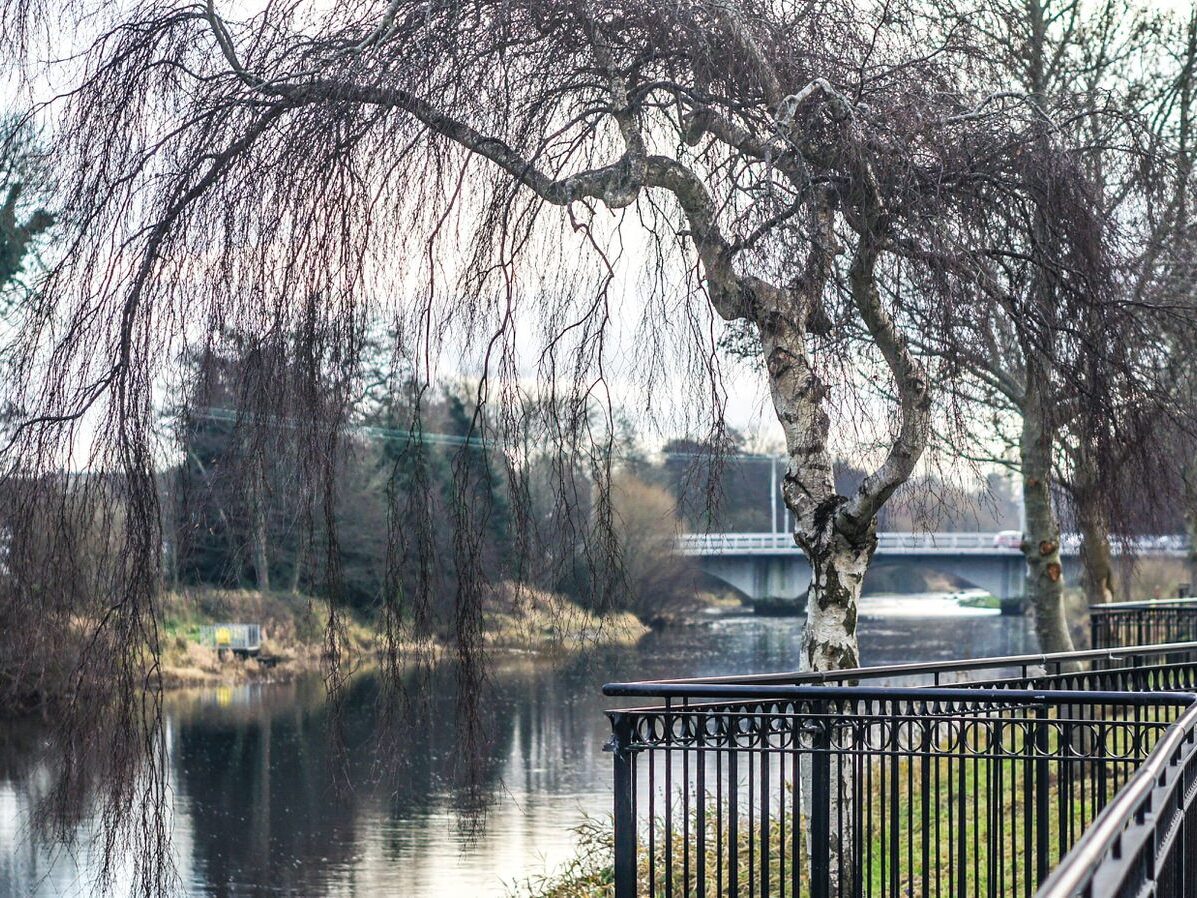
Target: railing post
820,812
1042,794
625,807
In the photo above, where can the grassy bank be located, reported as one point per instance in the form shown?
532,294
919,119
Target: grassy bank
519,617
293,635
294,632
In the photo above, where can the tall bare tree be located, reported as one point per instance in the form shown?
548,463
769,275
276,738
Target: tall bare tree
831,178
1078,385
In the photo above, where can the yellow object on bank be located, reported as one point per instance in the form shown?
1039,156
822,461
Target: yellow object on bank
223,636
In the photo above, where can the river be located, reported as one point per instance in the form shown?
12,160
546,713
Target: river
263,805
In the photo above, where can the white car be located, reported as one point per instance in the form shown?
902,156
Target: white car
1008,539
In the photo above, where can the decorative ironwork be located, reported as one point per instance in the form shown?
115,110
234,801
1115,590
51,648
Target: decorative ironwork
799,784
1142,623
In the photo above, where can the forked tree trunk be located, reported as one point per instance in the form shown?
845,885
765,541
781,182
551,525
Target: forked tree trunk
1041,542
838,533
837,572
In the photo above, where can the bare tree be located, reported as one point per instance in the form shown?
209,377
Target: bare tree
833,179
1076,380
1174,270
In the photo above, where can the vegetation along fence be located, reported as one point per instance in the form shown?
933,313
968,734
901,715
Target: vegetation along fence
960,779
1142,623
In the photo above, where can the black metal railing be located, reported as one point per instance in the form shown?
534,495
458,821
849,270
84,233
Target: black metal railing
1145,841
1142,623
774,785
1170,666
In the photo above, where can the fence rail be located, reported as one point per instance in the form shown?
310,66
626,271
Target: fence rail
1142,623
1134,667
776,785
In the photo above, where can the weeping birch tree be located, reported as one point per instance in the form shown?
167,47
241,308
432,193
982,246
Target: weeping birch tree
814,193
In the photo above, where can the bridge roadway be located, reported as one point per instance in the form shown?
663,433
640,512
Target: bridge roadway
771,566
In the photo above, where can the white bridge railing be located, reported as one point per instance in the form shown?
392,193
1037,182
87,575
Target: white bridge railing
898,543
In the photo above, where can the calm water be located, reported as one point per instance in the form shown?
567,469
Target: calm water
263,805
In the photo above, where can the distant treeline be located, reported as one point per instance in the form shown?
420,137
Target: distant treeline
422,497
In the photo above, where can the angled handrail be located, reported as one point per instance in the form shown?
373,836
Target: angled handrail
1058,659
1111,844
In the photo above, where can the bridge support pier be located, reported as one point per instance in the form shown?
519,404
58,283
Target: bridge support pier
769,569
776,578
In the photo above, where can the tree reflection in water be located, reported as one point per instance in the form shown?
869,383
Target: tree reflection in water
275,792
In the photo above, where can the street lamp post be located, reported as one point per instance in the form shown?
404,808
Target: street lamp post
773,493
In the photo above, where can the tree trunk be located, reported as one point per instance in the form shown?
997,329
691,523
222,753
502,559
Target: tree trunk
838,533
837,575
169,510
1041,542
838,563
261,556
829,637
829,642
301,551
1098,576
1188,475
1099,570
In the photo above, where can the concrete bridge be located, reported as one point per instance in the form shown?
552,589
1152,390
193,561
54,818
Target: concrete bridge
770,566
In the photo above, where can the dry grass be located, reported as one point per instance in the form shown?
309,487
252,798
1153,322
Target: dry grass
521,617
293,633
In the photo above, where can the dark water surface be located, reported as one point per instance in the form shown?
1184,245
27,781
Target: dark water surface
263,805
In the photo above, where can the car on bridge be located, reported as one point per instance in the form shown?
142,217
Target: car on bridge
1007,539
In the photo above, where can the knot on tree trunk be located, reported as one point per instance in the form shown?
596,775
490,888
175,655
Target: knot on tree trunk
824,519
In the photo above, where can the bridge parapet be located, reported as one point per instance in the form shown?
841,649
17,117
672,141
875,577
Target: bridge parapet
913,543
770,565
704,544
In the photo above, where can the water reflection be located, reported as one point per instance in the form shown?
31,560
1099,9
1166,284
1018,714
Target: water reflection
276,792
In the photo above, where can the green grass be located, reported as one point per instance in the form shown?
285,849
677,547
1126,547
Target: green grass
980,602
910,844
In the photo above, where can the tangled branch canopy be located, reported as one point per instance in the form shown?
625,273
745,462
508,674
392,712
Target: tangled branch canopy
504,185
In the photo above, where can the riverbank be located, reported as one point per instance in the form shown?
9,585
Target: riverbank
340,818
294,632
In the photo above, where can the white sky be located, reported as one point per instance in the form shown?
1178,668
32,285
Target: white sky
748,408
